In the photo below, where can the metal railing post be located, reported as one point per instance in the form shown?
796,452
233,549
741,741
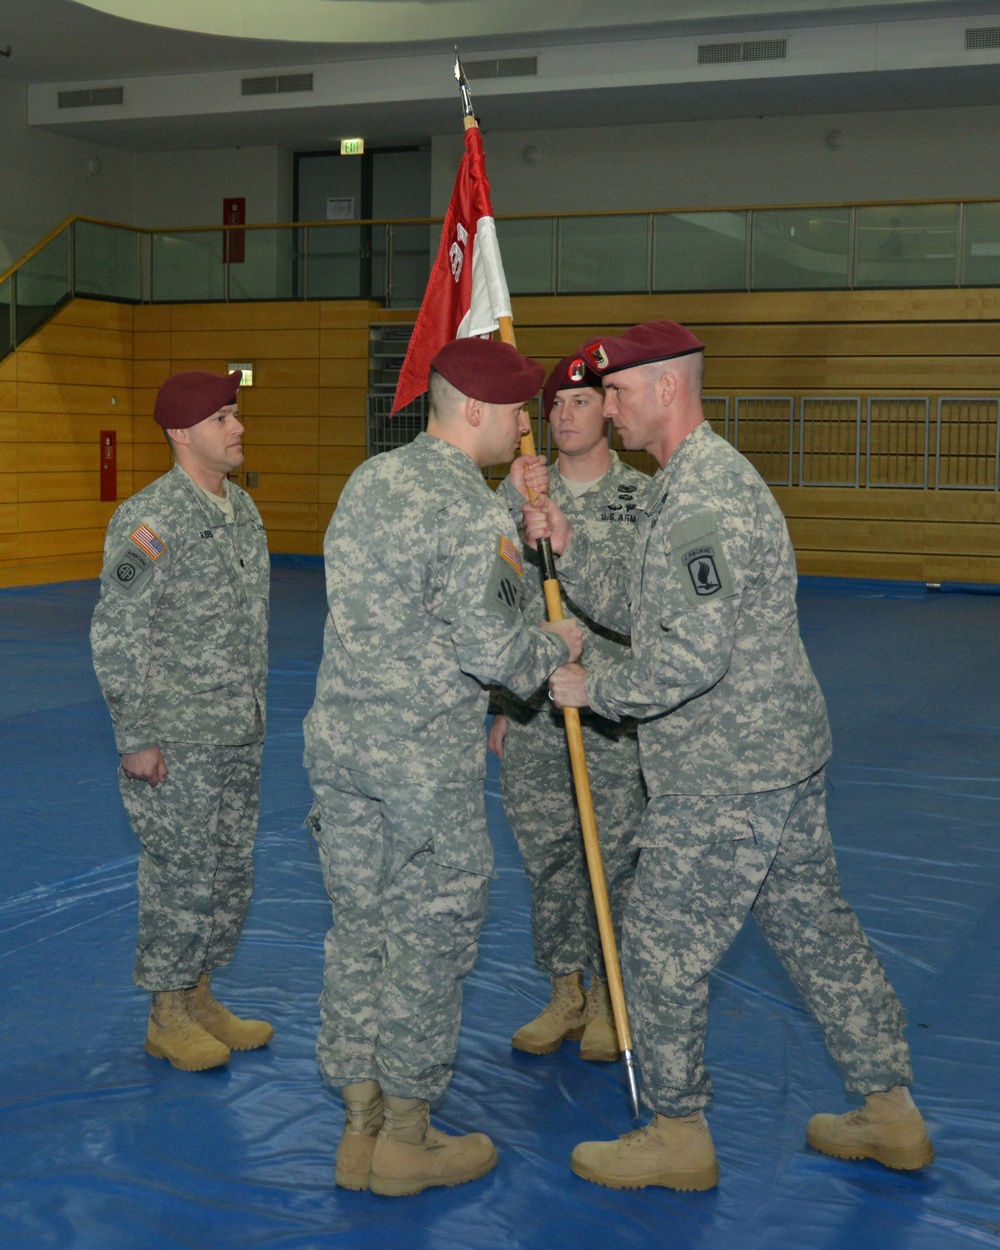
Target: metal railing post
72,259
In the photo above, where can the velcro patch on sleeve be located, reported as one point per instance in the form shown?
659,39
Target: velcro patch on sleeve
510,553
147,541
699,560
128,570
503,588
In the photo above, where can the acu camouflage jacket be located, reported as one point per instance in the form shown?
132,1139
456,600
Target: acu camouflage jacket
718,676
179,635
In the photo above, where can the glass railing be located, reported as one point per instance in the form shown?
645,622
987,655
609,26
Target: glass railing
108,261
811,248
41,285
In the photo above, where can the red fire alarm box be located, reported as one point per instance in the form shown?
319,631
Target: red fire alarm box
109,465
234,242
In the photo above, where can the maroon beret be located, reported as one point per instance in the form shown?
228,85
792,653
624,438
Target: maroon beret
187,398
572,373
489,370
653,340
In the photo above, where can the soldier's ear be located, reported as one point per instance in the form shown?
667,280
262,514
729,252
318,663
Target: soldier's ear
666,388
475,411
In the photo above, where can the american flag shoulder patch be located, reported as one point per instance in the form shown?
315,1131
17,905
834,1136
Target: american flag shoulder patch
151,543
510,553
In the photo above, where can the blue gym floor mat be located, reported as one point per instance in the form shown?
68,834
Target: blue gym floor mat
104,1148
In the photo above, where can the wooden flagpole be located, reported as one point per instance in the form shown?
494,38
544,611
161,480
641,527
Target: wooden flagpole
574,738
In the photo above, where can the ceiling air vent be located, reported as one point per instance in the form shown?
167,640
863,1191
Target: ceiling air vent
738,53
503,67
978,37
276,84
91,97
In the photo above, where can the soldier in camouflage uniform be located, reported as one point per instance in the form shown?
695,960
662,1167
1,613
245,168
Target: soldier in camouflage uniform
424,574
599,492
733,740
179,640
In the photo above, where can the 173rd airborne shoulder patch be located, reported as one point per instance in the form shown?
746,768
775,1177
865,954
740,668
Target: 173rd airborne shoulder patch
699,560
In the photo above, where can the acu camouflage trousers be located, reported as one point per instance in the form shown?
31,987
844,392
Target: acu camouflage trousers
536,783
197,830
407,867
705,864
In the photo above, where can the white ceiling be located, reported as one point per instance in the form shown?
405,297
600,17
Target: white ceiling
897,54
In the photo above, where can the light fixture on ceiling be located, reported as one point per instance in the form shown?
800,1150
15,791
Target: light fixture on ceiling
836,139
532,154
94,166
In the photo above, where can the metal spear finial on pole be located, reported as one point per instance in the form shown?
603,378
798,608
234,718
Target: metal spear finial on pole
574,737
463,86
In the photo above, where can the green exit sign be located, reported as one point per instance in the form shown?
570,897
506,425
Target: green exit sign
352,147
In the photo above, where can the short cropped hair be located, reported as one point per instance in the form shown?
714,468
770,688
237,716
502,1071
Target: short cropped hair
442,395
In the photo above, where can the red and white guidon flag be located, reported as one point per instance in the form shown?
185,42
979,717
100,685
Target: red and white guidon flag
467,291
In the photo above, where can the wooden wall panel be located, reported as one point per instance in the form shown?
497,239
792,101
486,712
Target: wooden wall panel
196,349
865,344
300,458
277,431
344,401
330,486
54,487
98,366
152,346
279,401
60,389
242,317
110,372
340,460
295,542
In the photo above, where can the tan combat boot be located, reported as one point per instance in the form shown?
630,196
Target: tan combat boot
599,1043
235,1033
363,1119
888,1128
564,1017
172,1034
411,1155
674,1153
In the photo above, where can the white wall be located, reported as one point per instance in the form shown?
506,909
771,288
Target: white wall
44,179
919,155
187,188
925,154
